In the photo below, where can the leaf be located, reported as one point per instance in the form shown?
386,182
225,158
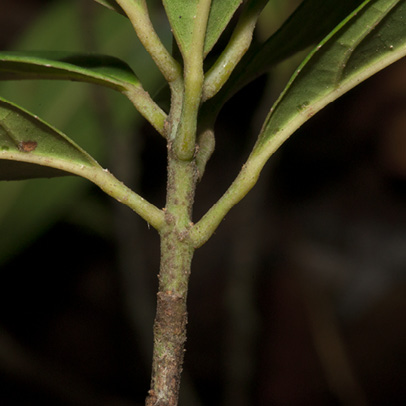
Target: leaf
99,69
220,15
308,25
28,208
370,39
181,17
112,5
30,147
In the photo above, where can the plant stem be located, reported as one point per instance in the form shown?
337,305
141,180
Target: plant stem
236,48
116,189
176,257
193,83
206,143
137,12
242,184
147,107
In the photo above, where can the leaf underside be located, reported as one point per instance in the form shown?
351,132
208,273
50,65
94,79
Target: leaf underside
181,15
369,40
112,5
15,170
308,25
28,208
29,147
99,69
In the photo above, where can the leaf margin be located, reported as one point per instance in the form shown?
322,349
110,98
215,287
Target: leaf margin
14,150
68,66
111,5
100,69
307,108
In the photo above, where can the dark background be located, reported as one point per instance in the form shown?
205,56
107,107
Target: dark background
298,299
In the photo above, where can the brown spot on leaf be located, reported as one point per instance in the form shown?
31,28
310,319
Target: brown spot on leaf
27,146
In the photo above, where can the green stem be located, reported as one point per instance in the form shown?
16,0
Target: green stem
206,143
137,12
172,122
238,45
176,256
100,177
147,107
185,141
176,248
243,183
116,189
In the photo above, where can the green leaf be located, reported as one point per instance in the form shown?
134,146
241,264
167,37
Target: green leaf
112,5
308,25
181,17
99,69
220,15
28,208
29,147
27,139
370,39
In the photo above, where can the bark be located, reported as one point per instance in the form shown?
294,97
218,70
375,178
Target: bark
170,337
176,257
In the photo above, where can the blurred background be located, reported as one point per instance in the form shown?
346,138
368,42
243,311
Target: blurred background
299,297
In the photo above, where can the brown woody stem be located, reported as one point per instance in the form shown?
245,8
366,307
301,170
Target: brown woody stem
176,257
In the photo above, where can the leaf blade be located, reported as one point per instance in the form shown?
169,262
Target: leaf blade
50,148
92,68
181,17
315,19
98,69
339,63
28,208
220,15
33,146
